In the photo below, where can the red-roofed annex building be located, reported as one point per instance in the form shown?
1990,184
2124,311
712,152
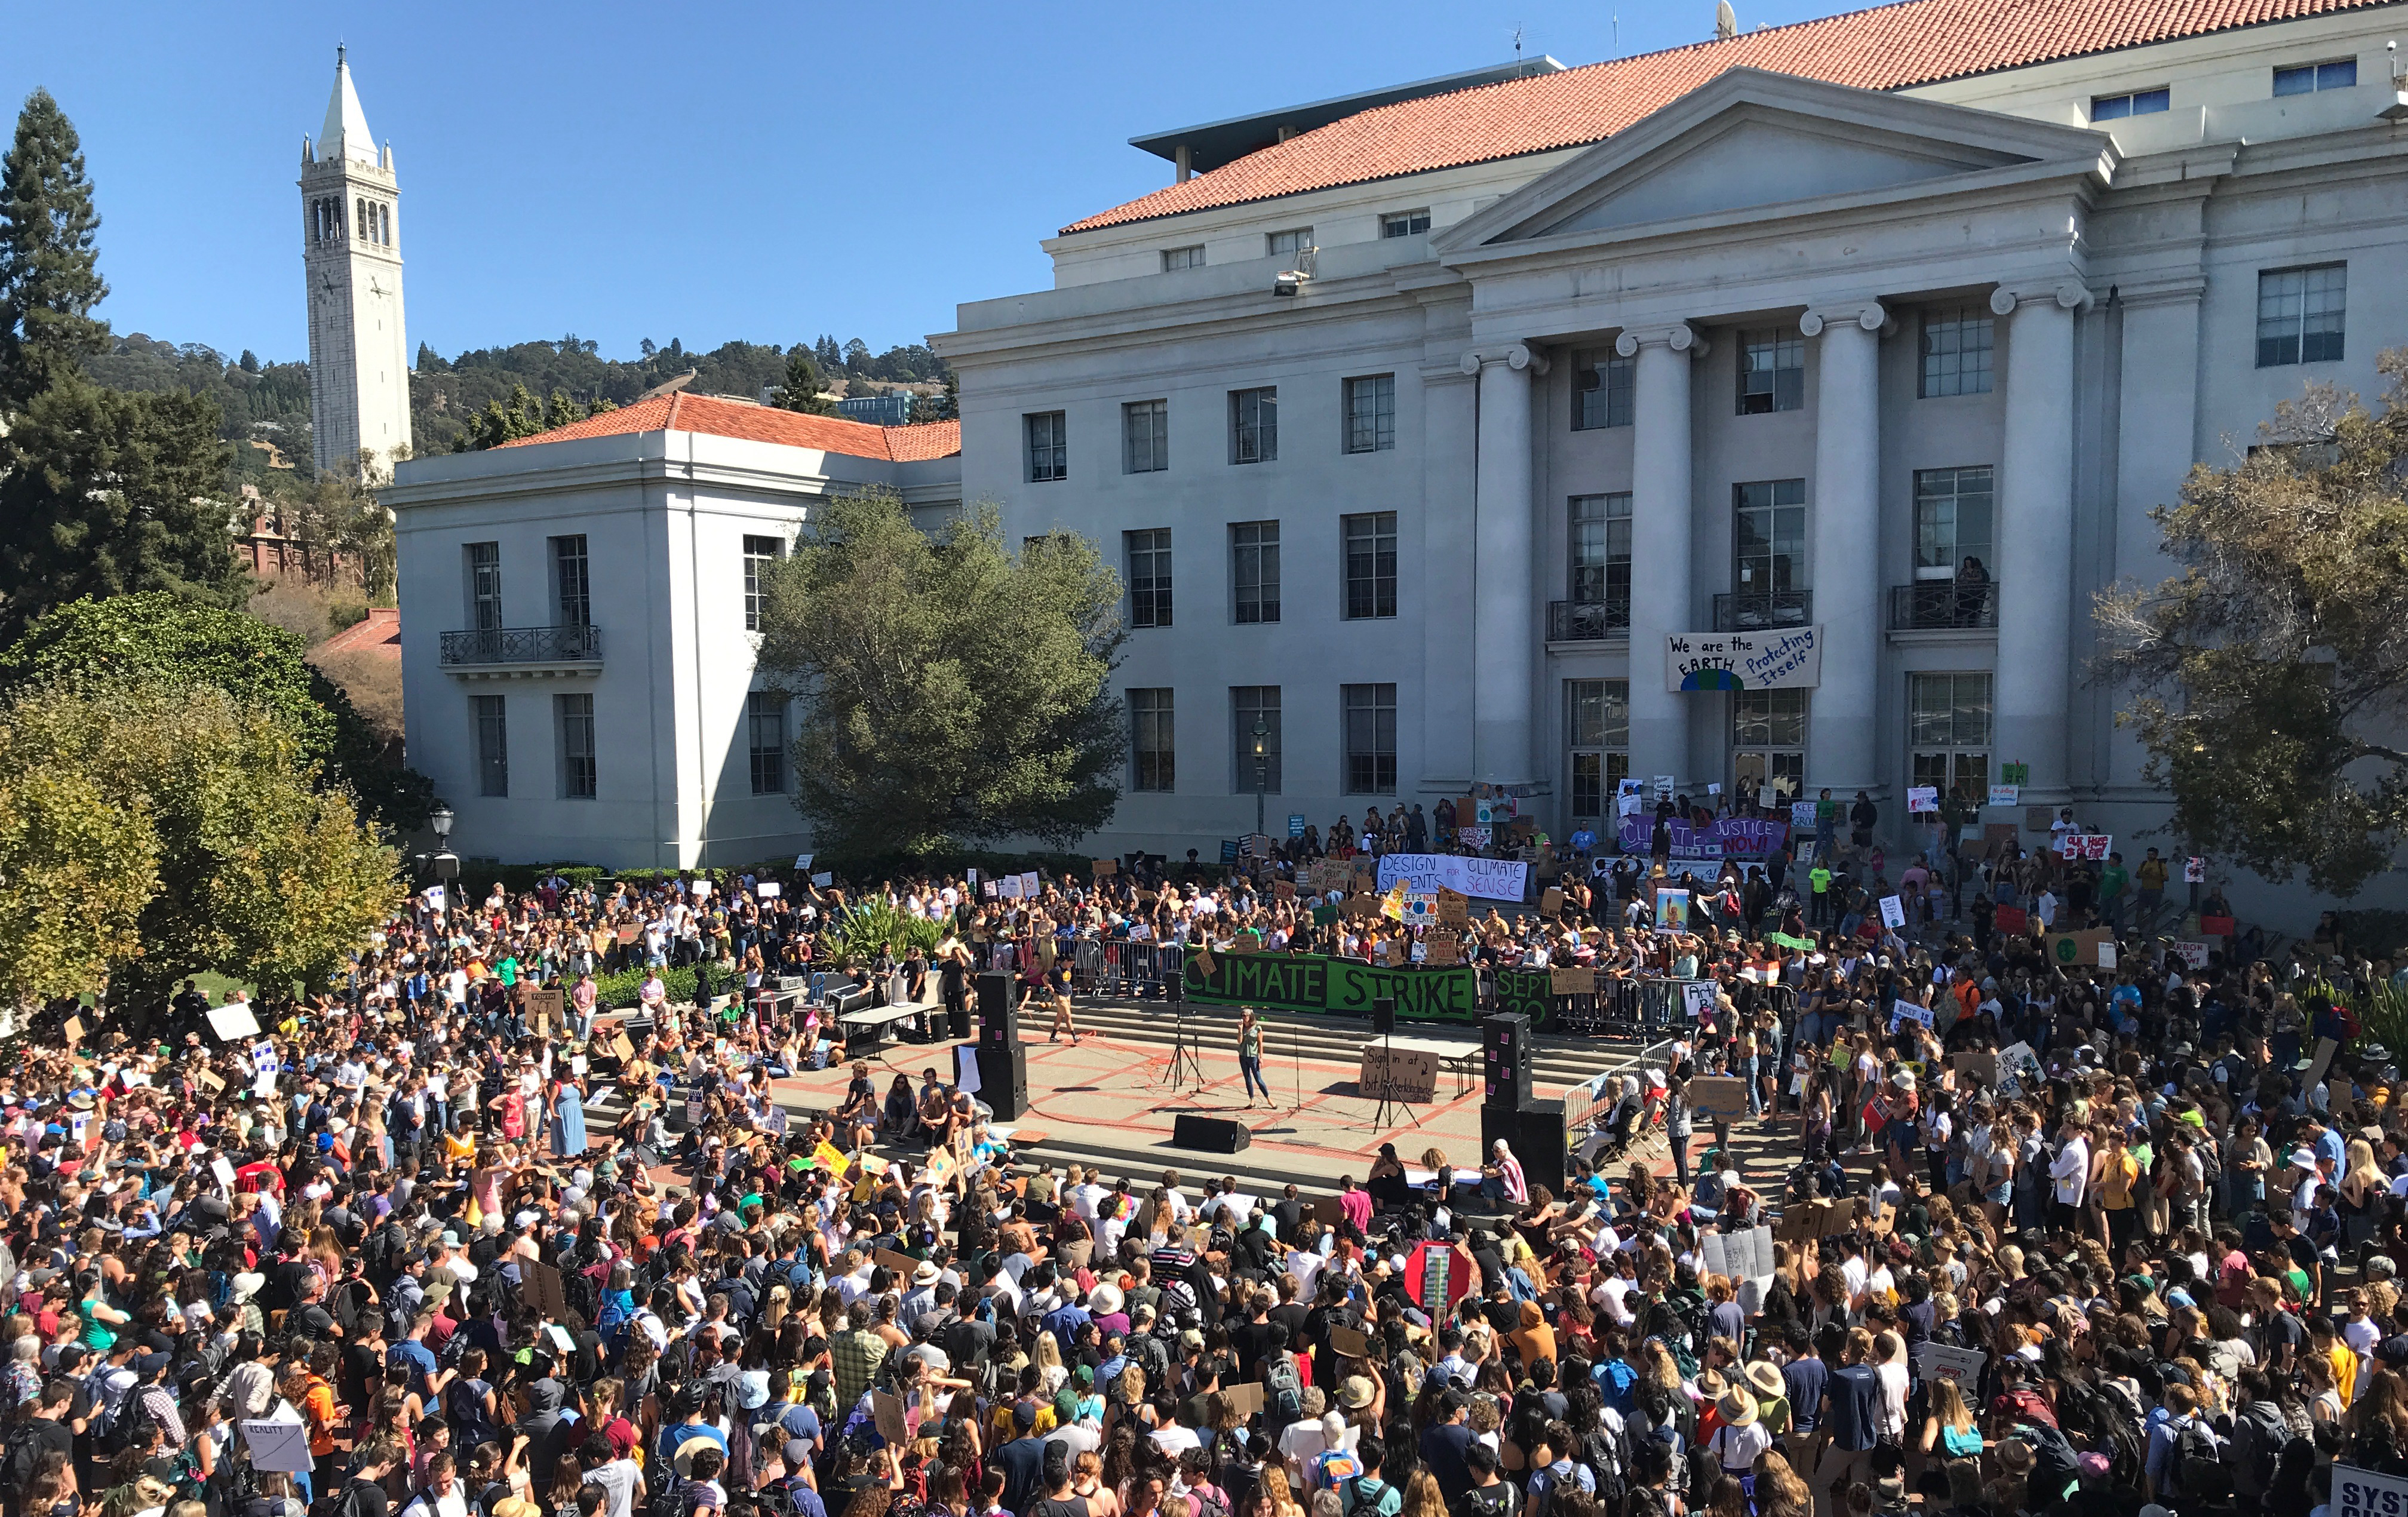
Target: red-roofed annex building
576,665
1712,367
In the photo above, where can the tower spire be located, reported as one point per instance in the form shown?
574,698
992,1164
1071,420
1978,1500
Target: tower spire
345,132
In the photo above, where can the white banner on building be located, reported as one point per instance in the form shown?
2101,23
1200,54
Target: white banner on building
1788,659
1492,879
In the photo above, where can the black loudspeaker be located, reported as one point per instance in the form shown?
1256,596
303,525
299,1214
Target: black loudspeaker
1541,1147
1384,1016
1003,1080
957,1019
1505,1059
999,1012
1212,1134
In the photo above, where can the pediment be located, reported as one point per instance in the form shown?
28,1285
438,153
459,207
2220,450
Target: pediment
1751,140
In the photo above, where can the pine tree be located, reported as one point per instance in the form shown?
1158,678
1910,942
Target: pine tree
50,275
800,391
829,356
250,360
560,410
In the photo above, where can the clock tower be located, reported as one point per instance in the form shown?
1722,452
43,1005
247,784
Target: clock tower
351,242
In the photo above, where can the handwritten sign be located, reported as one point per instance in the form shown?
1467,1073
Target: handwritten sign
2085,845
1397,1074
1790,659
1922,798
1551,902
539,1288
1718,1098
1575,979
1495,879
1903,1013
2006,795
278,1447
1893,912
1960,1366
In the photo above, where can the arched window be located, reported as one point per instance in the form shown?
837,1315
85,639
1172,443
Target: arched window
360,215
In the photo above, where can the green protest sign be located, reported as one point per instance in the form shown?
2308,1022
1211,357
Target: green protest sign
1283,982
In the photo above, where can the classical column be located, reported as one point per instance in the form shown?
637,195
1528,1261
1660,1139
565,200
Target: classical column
2034,681
2157,423
1661,529
1845,514
1504,618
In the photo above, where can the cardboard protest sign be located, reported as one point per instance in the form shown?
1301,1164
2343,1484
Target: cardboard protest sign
899,1265
1454,907
1442,947
74,1031
831,1159
548,1009
627,931
1244,1398
2085,845
1398,1074
1283,889
2079,949
1551,902
1718,1098
1576,980
208,1081
2326,1048
622,1047
1979,1063
539,1288
888,1410
1349,1342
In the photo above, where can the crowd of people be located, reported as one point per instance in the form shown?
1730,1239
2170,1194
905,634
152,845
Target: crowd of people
2106,1238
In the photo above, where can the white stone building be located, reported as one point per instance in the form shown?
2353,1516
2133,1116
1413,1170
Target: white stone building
577,658
351,257
1759,336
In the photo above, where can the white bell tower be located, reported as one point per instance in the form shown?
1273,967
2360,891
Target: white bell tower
359,360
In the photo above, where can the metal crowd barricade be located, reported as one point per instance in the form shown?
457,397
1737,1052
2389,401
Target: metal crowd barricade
1663,1004
1612,1011
1111,967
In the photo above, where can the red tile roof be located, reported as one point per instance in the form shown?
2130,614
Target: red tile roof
381,631
1889,48
682,412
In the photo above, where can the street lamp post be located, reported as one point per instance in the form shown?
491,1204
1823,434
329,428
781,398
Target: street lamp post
1262,770
445,863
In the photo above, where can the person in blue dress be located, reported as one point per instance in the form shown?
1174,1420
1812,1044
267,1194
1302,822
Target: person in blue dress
567,1119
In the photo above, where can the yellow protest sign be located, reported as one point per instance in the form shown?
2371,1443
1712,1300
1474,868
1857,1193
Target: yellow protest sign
828,1157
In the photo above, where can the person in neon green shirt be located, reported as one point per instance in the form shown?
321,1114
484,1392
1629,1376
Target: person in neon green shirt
1819,880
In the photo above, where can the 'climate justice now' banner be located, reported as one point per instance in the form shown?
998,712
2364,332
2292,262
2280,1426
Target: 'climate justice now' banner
1729,837
1302,982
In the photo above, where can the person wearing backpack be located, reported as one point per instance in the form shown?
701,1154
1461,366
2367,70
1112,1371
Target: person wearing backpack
2186,1458
43,1431
1368,1494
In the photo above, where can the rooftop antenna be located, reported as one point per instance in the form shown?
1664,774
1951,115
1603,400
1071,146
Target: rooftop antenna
1617,34
1725,21
339,57
1517,50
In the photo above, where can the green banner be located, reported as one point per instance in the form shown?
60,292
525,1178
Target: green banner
1305,983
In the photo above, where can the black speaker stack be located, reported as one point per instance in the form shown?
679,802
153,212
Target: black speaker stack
1534,1128
1211,1135
1002,1063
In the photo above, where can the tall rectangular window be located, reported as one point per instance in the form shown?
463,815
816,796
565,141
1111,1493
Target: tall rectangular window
1253,425
1604,384
1768,743
1175,259
1597,726
1049,445
493,746
572,598
1290,242
1953,517
1371,414
1252,706
1153,761
2309,78
2115,107
1601,555
485,586
2299,314
1145,437
1948,733
1771,372
1370,565
1149,577
1405,224
759,553
764,740
1769,547
1371,740
574,718
1957,352
1255,570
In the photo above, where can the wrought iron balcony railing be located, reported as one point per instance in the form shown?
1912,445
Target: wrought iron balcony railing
1763,610
1930,604
522,645
1588,620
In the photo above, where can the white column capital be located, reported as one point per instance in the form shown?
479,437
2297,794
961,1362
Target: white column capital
1869,315
2069,294
1513,355
1679,337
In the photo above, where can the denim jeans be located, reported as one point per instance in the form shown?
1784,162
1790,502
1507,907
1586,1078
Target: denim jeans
1252,1069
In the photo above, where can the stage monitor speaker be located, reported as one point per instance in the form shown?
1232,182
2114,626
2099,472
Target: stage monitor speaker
1505,1059
998,1010
1003,1080
1541,1147
1384,1016
1211,1135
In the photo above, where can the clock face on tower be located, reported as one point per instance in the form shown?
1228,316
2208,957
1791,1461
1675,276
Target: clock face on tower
376,286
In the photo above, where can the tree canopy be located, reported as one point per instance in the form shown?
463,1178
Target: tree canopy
2272,670
949,691
149,831
50,263
170,641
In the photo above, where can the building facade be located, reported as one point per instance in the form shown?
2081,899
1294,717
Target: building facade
351,260
577,618
1763,413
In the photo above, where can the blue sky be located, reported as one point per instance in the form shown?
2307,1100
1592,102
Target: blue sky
700,171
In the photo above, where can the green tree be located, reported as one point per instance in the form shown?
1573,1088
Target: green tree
342,512
77,867
522,416
106,494
951,692
254,866
161,639
560,410
50,263
2270,672
801,390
